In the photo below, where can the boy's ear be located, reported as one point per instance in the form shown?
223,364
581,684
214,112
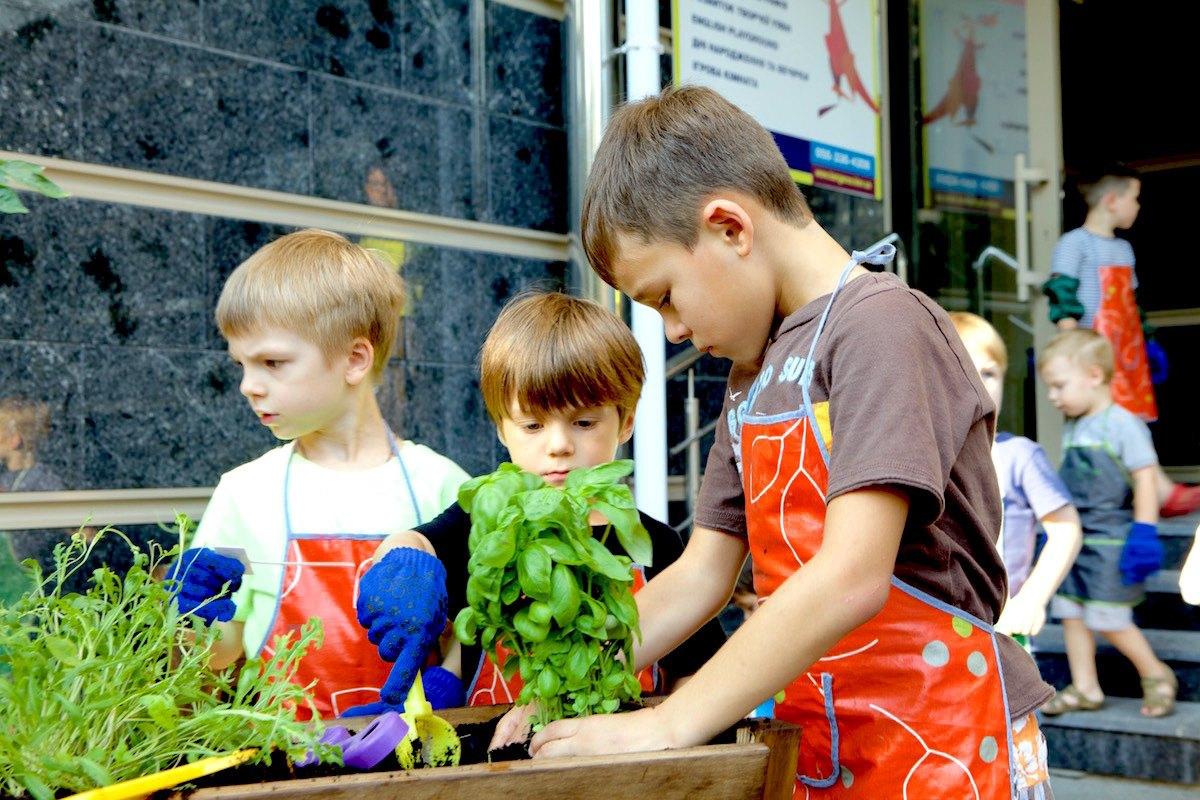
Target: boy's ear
361,359
729,220
627,427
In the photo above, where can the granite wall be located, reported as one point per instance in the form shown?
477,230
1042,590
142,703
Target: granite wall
445,107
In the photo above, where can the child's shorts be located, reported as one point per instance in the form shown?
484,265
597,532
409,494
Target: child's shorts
1096,616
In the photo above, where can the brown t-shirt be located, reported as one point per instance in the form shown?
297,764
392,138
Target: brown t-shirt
906,408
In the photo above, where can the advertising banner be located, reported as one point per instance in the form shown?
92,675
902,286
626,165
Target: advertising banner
974,109
808,70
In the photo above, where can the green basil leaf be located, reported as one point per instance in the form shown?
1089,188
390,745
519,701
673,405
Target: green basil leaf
497,548
510,668
564,595
539,613
530,630
534,569
466,625
606,563
630,532
548,683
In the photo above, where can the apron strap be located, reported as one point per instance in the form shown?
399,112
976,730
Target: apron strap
395,446
877,255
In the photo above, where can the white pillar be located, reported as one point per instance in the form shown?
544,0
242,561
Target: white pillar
643,77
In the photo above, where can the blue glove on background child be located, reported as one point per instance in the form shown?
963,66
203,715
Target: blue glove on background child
1142,555
443,689
200,573
402,604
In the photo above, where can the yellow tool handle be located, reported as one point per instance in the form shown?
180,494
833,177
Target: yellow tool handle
148,784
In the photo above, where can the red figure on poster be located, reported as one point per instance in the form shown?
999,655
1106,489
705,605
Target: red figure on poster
963,90
841,61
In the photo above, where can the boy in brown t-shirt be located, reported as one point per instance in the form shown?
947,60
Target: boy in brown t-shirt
853,462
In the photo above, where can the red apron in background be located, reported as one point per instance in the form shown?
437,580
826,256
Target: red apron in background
1119,321
320,580
490,689
910,704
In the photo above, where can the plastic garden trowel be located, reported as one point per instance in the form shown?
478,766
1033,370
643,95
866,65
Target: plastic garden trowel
140,787
430,741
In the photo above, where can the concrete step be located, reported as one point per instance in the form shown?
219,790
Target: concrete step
1118,678
1163,607
1070,784
1118,740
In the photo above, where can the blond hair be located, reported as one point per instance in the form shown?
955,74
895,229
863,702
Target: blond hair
1116,178
1082,347
979,335
319,285
663,157
553,352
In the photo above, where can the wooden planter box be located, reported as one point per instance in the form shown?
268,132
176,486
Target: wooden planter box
761,765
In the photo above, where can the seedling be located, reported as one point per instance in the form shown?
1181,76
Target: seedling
548,593
113,684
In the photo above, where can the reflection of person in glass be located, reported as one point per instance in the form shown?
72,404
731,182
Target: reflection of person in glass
23,426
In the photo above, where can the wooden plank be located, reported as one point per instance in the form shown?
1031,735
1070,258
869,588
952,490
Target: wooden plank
783,740
730,772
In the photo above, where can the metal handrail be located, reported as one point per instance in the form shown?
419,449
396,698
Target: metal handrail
681,361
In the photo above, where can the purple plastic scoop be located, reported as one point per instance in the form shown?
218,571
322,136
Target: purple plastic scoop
336,735
373,743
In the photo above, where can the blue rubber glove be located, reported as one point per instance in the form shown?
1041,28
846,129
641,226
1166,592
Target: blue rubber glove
402,604
1157,358
1142,555
200,575
443,689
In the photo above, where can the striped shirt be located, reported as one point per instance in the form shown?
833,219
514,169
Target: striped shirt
1080,254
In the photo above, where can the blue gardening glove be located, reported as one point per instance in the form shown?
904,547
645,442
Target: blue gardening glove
402,604
1142,555
1157,358
200,575
443,689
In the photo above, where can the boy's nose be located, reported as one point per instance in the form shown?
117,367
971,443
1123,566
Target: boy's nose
559,440
249,387
676,331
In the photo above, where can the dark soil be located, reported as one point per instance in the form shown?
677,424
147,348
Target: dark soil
474,737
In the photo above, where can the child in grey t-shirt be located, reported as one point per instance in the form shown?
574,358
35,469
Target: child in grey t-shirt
1109,467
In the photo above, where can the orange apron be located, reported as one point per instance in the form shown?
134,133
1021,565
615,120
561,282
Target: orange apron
1118,320
488,688
910,704
320,580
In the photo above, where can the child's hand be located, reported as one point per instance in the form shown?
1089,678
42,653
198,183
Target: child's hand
513,726
633,732
1142,555
200,576
1021,615
402,604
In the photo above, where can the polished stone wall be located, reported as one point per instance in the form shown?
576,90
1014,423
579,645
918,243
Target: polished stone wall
444,107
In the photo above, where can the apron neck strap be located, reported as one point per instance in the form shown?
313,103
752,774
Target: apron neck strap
878,255
395,447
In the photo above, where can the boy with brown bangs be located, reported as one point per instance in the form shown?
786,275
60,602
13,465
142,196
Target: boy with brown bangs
310,319
561,378
854,464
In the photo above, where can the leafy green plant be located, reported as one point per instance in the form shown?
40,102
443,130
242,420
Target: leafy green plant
112,684
545,589
27,176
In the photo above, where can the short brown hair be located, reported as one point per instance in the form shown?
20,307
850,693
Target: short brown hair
663,157
977,333
1112,178
550,352
1083,347
319,285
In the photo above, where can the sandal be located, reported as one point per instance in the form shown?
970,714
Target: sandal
1158,695
1070,699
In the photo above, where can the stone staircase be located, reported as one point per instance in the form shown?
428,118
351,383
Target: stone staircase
1118,740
